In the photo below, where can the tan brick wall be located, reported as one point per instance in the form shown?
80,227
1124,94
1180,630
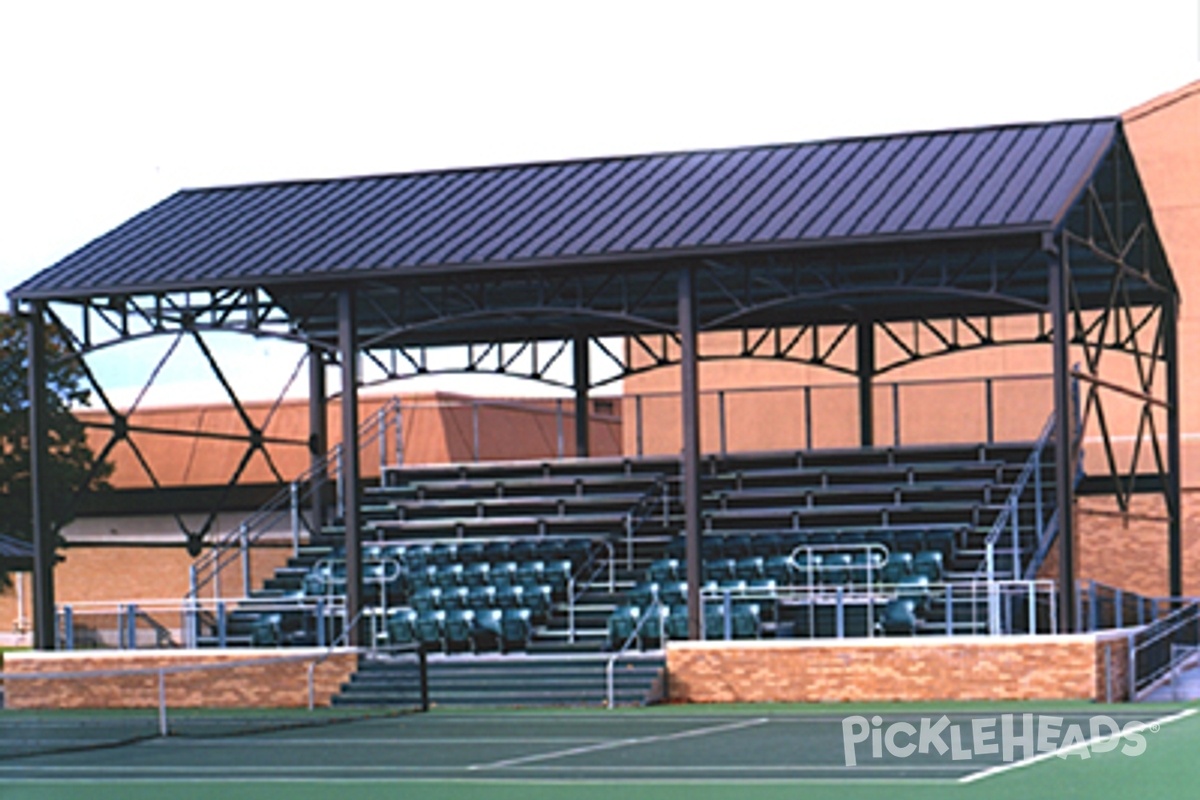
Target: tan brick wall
1129,551
1112,667
936,668
274,685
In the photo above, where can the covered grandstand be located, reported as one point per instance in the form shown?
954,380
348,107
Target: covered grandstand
854,257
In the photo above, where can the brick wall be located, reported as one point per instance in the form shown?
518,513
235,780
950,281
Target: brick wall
274,685
928,668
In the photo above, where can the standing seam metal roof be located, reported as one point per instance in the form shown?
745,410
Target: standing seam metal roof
986,180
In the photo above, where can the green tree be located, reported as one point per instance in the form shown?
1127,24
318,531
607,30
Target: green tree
71,465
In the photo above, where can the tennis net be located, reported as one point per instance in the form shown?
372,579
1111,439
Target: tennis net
226,694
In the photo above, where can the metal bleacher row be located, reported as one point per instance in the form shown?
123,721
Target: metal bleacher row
515,555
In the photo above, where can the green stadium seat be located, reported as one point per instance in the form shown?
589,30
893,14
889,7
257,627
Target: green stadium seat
738,546
430,626
530,572
456,597
477,573
899,617
444,553
450,576
503,573
867,567
664,569
426,599
835,569
899,564
402,626
422,577
746,621
929,563
778,568
621,625
488,630
719,569
517,629
417,557
472,553
557,574
481,597
750,568
458,628
644,593
526,550
497,550
510,596
538,598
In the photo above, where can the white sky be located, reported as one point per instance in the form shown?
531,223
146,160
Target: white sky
107,107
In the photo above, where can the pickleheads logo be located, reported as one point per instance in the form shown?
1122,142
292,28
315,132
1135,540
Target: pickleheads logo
1010,736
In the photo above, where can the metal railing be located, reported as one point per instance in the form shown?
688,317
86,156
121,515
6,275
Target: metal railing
187,623
1009,518
610,666
287,505
811,416
1160,647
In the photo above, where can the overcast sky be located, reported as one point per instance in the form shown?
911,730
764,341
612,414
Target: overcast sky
107,107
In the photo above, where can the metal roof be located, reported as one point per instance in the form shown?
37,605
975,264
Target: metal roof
984,181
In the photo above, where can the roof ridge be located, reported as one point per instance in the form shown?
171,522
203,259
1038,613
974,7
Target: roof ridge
702,151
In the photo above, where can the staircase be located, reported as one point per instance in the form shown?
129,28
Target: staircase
542,680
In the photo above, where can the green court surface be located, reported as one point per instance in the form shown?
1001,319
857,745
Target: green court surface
692,752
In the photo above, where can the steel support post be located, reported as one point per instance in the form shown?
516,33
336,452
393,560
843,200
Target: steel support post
582,381
43,536
1174,498
348,353
318,433
690,400
865,338
1064,476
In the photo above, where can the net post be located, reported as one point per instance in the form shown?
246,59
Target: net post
163,729
131,621
312,700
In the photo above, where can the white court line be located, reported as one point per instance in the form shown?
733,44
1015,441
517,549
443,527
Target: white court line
1063,751
573,751
189,742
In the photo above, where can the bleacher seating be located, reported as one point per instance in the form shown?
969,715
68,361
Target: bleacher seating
511,537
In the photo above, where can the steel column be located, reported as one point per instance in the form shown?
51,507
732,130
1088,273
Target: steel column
39,454
690,401
1064,477
318,432
865,337
1170,323
348,353
582,381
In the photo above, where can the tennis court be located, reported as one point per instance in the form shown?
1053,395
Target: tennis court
667,752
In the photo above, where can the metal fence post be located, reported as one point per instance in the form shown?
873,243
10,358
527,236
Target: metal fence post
727,612
560,443
68,616
381,436
474,430
131,621
637,408
222,629
721,420
244,546
896,413
294,499
398,433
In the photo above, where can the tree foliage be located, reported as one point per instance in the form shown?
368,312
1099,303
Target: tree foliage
71,463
